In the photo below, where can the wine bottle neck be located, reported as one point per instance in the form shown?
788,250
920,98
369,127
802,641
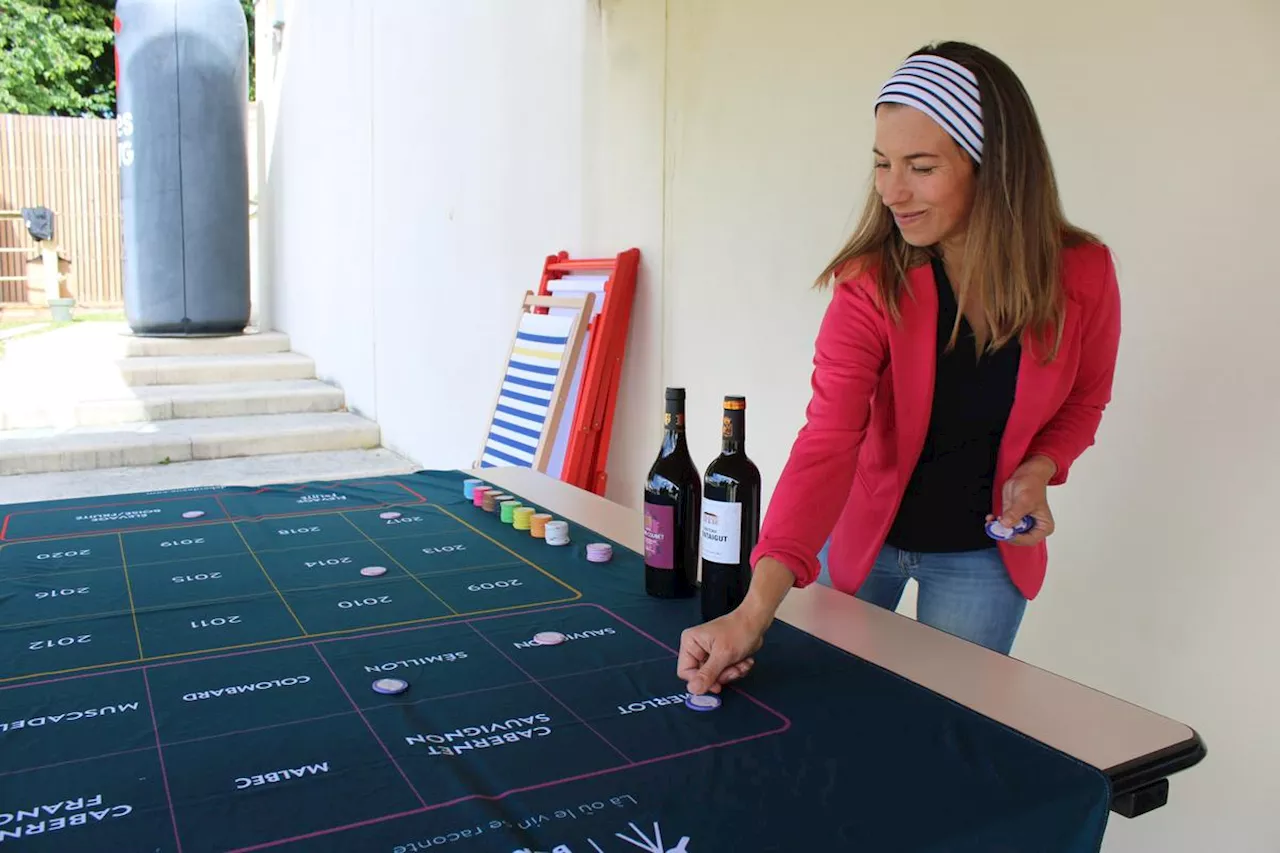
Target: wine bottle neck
733,431
673,436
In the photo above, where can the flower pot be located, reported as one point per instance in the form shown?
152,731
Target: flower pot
60,310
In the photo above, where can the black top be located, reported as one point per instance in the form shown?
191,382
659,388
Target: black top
949,495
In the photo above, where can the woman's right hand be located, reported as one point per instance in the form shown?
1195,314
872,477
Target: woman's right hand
720,651
717,652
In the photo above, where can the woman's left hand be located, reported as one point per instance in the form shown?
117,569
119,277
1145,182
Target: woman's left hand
1026,493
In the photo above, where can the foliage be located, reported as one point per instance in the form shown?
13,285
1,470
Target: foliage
47,57
56,56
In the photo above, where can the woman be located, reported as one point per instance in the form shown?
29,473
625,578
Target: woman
962,366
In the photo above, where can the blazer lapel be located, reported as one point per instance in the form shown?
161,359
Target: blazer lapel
1037,389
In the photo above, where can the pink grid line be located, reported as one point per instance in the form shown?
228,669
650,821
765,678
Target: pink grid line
164,774
51,765
558,700
375,503
369,726
785,725
495,797
321,717
290,644
315,644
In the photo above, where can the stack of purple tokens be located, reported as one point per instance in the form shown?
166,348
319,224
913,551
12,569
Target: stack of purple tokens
599,552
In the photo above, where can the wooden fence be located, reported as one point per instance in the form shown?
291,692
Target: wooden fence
68,165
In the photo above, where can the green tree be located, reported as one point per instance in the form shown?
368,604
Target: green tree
56,56
47,57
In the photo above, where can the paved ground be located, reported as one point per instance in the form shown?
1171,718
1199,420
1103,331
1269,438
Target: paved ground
247,471
14,331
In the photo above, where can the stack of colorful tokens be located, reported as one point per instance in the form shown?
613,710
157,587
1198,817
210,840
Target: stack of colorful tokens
479,493
507,509
492,498
520,517
599,552
538,524
557,532
469,488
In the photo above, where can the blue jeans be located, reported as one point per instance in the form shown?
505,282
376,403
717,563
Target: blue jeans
967,594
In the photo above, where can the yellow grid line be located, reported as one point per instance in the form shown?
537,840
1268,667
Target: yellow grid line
182,525
124,567
286,549
271,580
400,566
137,564
249,598
577,594
426,620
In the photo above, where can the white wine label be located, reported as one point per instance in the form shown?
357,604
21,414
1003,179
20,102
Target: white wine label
721,531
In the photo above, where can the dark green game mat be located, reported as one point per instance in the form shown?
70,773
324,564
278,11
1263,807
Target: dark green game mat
191,671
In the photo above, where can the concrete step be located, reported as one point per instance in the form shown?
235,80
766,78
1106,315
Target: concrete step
180,440
255,342
242,471
203,369
104,404
115,340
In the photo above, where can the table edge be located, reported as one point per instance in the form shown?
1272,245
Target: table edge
1128,775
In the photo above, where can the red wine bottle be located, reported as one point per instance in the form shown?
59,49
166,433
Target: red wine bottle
672,507
730,516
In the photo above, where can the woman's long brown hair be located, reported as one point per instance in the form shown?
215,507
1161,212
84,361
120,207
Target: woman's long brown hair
1016,230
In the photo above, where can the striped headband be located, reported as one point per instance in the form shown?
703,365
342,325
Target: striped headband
945,91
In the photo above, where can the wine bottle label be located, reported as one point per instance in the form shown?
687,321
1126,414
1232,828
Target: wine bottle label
659,539
721,531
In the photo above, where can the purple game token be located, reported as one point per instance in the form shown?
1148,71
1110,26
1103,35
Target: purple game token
389,515
390,686
996,530
704,702
193,513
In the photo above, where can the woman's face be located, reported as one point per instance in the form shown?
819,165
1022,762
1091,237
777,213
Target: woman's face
923,177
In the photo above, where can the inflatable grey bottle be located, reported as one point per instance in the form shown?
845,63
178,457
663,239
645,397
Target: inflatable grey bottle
182,73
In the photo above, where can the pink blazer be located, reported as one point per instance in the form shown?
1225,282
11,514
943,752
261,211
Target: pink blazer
866,420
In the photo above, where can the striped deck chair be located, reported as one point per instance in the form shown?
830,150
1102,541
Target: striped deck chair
540,365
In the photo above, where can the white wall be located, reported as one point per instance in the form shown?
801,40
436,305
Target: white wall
1163,575
315,238
728,140
425,159
623,193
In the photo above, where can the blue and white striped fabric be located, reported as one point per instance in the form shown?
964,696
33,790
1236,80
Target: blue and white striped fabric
525,402
945,91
